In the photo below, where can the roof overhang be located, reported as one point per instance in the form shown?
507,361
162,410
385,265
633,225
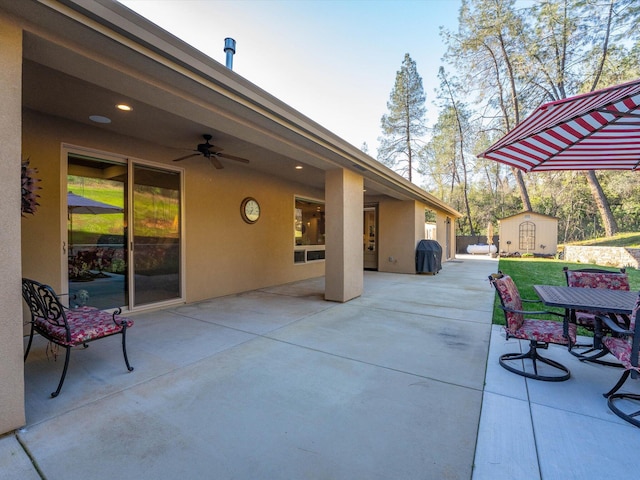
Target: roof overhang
93,54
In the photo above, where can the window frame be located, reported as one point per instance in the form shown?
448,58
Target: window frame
310,252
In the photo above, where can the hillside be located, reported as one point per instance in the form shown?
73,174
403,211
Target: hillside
628,239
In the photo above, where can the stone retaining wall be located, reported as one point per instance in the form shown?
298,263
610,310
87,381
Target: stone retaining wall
614,256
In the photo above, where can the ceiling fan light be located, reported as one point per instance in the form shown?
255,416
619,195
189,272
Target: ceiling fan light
211,153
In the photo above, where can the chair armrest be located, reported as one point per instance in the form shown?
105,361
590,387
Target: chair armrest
613,325
527,312
71,297
530,301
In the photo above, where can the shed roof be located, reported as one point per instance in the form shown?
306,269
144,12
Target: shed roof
527,212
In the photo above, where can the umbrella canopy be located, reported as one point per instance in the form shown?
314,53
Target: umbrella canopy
80,204
595,131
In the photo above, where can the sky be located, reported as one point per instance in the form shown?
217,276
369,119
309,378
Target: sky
335,61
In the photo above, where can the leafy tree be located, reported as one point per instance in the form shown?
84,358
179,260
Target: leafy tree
447,152
488,48
565,30
404,125
551,49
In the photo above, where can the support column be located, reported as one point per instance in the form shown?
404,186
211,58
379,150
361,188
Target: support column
344,270
11,349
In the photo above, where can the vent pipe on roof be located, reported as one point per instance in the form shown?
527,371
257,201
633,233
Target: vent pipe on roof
230,50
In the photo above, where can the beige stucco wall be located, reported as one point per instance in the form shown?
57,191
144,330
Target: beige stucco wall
11,364
397,247
224,254
546,233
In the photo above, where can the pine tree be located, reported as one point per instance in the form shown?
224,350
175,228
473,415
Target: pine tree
404,125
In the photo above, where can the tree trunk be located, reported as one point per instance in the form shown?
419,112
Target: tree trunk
602,202
610,226
524,195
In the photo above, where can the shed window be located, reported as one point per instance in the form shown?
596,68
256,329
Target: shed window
527,236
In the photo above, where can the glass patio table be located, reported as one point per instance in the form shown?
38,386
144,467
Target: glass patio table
596,300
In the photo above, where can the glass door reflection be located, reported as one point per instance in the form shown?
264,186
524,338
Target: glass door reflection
156,235
96,232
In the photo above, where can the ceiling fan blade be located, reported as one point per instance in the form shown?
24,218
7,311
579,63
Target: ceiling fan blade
187,156
232,157
216,163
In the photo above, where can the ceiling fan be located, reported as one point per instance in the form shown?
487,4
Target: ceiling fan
211,152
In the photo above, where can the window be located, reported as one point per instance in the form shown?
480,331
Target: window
308,230
527,236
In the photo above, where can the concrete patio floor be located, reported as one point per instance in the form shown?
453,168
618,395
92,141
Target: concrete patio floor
280,384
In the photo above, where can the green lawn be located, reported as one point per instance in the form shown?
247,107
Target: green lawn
629,239
157,211
527,272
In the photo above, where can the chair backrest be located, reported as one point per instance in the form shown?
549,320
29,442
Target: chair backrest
596,278
635,339
509,298
32,299
43,303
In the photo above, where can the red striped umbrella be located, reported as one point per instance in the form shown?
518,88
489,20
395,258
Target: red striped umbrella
595,131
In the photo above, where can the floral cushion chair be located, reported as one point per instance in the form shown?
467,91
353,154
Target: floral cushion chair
539,332
625,346
69,327
595,278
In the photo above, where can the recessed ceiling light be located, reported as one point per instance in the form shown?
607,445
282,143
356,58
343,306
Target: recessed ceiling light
298,167
99,119
124,107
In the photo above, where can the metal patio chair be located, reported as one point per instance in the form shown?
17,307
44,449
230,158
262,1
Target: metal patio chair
625,346
69,327
539,332
595,278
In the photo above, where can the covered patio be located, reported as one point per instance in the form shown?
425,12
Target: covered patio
278,383
105,104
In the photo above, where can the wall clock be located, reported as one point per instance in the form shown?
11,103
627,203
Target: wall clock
250,210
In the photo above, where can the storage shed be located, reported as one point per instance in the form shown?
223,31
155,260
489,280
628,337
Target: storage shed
528,232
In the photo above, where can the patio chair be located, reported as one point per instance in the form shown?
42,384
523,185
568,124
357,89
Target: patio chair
69,328
625,346
595,278
539,332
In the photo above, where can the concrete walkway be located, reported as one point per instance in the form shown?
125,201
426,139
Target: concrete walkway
273,384
532,430
279,384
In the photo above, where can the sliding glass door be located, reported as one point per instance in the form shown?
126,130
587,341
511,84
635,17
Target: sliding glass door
123,235
156,235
